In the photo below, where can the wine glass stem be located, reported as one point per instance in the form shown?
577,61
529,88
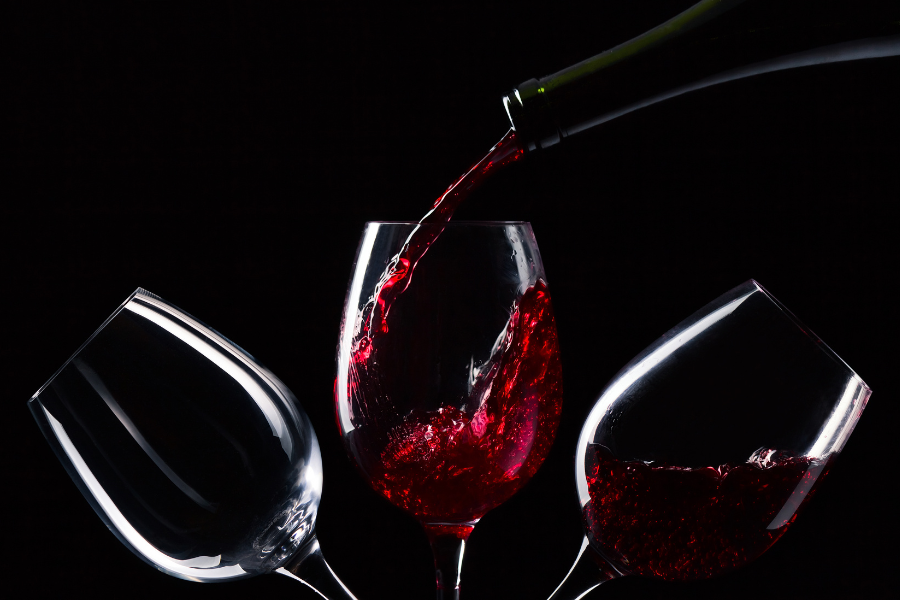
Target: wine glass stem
308,566
587,573
448,544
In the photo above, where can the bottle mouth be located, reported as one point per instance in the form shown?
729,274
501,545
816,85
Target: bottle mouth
530,115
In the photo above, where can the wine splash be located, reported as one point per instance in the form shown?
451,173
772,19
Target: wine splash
680,523
452,465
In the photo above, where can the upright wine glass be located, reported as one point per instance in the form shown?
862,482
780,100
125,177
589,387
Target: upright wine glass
699,453
453,404
195,456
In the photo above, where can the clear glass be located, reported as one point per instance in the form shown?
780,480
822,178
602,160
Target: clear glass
453,408
699,453
195,456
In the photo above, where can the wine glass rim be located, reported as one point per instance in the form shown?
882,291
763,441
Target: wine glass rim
138,292
453,223
809,333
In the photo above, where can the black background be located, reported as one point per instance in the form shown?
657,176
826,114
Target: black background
225,156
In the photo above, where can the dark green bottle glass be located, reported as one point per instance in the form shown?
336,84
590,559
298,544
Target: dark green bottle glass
714,41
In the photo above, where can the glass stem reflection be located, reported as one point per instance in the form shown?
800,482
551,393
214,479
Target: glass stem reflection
448,543
584,575
308,566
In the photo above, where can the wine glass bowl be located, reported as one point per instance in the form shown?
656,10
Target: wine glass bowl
700,452
451,408
195,456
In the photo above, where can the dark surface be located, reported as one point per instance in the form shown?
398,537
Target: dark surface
225,157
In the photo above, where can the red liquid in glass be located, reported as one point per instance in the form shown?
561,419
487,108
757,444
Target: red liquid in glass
450,466
454,466
679,523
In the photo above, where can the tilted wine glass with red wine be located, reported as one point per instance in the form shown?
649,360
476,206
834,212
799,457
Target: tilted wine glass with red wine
195,456
448,395
699,454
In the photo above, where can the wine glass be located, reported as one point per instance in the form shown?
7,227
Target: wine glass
448,395
194,455
700,452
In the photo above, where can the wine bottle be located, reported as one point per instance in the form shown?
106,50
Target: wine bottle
713,41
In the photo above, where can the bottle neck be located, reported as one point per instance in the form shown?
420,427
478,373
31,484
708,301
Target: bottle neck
712,42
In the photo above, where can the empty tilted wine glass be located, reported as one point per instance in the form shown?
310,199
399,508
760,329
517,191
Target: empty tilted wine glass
195,456
448,395
699,453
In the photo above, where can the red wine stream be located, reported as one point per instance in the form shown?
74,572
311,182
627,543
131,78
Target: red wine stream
399,272
449,466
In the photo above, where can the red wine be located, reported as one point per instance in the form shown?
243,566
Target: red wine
398,273
453,465
449,466
680,523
